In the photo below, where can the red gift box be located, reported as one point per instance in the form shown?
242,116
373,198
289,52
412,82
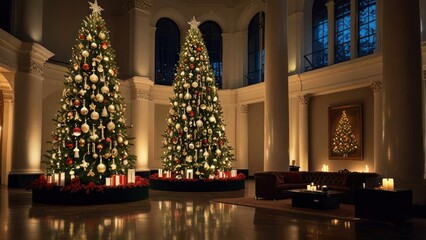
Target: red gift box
119,179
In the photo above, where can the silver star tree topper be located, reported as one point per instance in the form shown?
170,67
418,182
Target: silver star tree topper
193,23
95,7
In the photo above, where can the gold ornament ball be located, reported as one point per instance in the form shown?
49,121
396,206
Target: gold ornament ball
101,168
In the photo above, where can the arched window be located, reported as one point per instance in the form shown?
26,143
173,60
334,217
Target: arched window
342,40
256,49
167,42
319,34
212,35
366,27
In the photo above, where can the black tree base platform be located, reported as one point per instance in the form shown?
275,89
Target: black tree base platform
108,195
76,193
196,185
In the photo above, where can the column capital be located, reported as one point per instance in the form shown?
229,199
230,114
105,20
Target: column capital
32,58
144,5
376,86
244,108
304,99
330,3
7,96
141,88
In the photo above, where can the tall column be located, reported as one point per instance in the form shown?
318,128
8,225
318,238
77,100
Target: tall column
276,87
242,137
27,132
354,29
330,15
303,131
143,121
402,149
377,89
140,38
228,53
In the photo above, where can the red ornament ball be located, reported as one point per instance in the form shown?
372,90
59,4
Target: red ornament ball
76,131
100,147
108,140
191,66
70,145
69,161
82,37
104,45
220,142
204,141
199,49
175,140
191,113
124,157
77,103
86,67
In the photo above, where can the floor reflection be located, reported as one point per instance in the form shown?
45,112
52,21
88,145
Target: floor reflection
181,215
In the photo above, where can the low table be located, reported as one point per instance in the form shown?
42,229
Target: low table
315,199
382,205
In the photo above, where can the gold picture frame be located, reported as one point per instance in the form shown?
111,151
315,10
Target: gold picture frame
345,140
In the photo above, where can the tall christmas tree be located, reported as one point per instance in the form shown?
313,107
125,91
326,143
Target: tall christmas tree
344,141
91,139
195,136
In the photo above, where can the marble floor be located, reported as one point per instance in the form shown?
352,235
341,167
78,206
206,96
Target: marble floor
181,215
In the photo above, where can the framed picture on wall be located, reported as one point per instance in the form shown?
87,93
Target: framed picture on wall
345,132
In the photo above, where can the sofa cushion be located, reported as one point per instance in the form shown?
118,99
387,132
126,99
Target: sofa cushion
294,177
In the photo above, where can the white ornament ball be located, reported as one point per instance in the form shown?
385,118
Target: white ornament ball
191,59
188,108
175,103
78,78
184,117
197,69
99,97
182,73
177,126
94,45
191,146
94,78
199,123
218,152
120,139
85,53
94,115
125,162
102,35
170,121
111,72
105,89
195,84
187,96
85,128
178,148
111,125
111,108
180,95
84,111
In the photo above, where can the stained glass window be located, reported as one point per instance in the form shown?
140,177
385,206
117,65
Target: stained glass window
366,27
319,34
342,40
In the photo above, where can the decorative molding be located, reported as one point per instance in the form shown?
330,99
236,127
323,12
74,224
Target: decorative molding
376,86
144,5
142,93
304,99
244,108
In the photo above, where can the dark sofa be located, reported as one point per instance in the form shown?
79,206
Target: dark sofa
275,185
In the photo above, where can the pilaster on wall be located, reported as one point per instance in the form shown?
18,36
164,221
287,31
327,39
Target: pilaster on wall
331,30
140,42
303,131
242,137
143,121
376,87
6,135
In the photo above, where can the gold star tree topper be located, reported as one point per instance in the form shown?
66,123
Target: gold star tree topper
96,9
193,23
